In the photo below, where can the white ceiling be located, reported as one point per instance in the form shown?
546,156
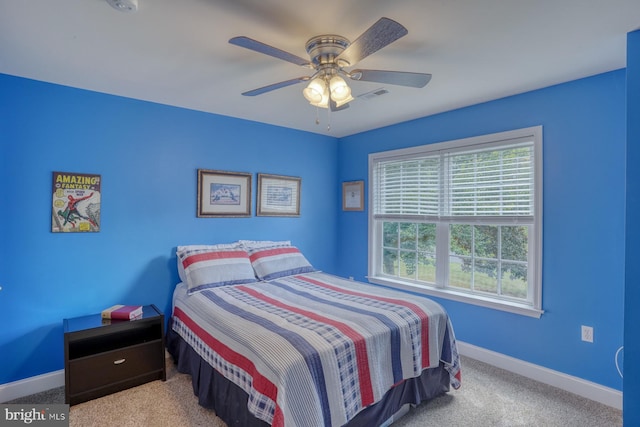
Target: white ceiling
176,52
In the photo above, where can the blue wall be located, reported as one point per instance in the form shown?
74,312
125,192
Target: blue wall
147,155
632,294
584,129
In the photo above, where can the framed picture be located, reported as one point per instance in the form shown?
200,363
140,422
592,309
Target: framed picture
75,205
353,196
278,195
223,194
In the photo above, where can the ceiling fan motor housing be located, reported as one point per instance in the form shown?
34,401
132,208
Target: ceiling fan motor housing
324,49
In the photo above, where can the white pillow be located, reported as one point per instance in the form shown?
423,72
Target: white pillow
257,244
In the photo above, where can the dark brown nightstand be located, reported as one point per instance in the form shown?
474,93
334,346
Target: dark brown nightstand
102,357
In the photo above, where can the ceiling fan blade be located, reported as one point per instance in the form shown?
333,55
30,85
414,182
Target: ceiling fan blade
400,78
260,47
275,86
379,35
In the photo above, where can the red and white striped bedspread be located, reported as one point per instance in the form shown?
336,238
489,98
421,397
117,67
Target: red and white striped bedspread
315,349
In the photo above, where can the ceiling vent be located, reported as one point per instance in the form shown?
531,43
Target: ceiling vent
373,94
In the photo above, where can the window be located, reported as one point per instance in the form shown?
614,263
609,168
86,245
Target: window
461,220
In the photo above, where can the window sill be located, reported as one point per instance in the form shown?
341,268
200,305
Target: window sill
508,306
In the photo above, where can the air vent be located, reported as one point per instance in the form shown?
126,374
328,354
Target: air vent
373,94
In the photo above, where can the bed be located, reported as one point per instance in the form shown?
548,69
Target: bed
268,340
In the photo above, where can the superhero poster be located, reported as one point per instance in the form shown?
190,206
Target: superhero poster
76,202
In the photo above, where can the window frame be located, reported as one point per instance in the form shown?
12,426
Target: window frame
534,261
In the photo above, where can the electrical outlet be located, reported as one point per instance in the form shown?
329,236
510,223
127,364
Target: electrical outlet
587,333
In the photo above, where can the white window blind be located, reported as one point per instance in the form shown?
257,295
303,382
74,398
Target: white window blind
408,187
485,181
492,182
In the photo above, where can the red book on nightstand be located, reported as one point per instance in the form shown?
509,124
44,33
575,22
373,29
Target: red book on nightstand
122,312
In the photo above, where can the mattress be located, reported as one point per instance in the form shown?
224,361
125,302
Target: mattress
315,349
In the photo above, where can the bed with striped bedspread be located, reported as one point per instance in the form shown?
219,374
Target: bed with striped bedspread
315,349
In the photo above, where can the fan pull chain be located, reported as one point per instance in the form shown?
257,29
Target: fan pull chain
328,118
328,83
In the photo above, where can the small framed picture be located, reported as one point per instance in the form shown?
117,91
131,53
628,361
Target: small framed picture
278,195
223,194
353,196
76,202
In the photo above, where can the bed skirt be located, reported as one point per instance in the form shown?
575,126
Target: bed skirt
229,401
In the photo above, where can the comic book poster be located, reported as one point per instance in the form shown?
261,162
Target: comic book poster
76,202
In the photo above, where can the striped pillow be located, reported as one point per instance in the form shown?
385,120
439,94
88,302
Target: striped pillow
198,248
274,262
205,269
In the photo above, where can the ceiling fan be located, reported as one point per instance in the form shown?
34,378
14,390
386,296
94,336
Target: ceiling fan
330,57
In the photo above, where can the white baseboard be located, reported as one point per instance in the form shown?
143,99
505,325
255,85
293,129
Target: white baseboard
587,389
596,392
21,388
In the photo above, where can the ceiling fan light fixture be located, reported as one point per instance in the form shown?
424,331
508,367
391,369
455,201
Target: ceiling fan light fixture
344,101
339,88
324,101
340,91
315,90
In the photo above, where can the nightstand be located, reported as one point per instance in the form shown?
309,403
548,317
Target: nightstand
102,357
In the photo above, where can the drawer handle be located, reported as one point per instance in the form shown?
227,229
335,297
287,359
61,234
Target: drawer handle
119,361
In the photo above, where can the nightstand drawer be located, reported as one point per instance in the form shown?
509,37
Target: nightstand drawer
118,365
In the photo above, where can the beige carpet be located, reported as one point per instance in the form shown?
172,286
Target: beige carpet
170,403
488,397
